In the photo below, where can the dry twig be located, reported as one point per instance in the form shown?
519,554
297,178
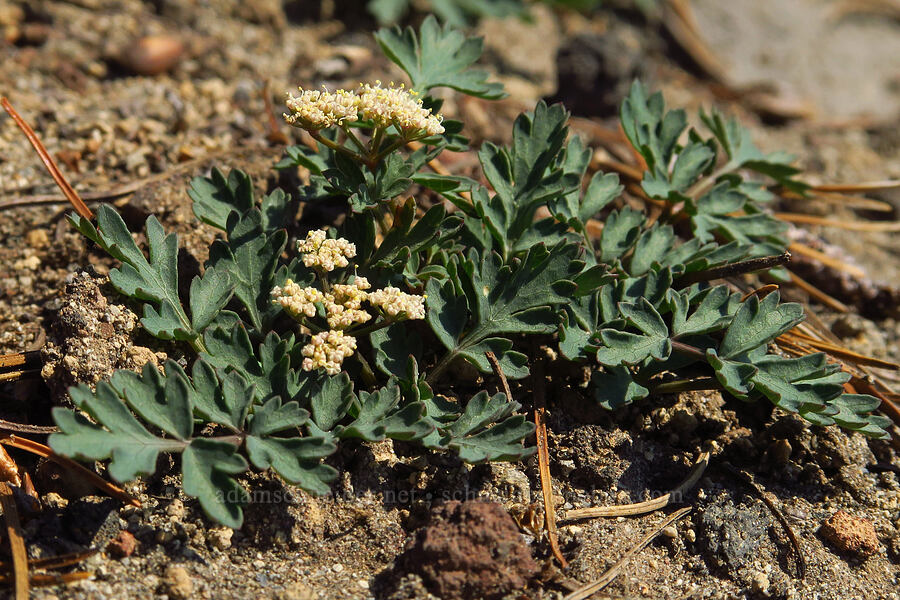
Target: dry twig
16,541
592,588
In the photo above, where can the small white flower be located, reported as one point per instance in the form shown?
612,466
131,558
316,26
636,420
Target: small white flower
314,109
327,350
395,302
328,254
397,106
297,301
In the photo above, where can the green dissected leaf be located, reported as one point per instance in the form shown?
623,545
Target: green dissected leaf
379,416
209,294
652,130
525,176
165,401
275,416
117,434
501,300
207,467
216,197
714,312
393,347
625,348
297,460
438,57
330,400
757,323
620,232
651,248
735,377
155,279
227,402
485,431
615,387
251,267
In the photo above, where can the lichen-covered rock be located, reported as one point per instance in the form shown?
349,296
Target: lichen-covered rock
851,535
469,550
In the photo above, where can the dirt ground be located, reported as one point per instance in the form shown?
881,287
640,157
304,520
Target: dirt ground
134,139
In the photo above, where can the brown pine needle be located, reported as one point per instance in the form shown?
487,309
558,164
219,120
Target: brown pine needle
92,478
858,188
818,295
839,351
761,292
866,226
608,164
642,508
592,588
53,562
826,260
45,579
67,190
540,433
16,541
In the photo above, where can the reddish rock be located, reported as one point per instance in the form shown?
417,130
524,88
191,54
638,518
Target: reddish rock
469,550
851,535
123,545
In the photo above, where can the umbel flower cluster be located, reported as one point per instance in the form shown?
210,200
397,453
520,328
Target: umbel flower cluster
342,303
383,106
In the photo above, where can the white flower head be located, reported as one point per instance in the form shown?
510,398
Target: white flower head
314,109
327,254
327,350
397,106
297,301
395,302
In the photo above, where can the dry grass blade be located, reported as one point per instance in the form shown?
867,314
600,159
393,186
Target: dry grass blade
648,506
540,433
799,340
865,226
16,541
92,478
69,192
592,588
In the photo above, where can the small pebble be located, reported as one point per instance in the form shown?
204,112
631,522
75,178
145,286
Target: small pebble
759,583
337,568
670,532
220,538
851,535
178,583
123,545
175,509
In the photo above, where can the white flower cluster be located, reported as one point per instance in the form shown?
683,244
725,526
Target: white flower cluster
327,350
314,109
399,107
343,303
319,251
297,300
394,302
385,106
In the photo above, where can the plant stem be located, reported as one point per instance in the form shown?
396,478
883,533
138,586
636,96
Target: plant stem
356,141
338,148
371,328
686,385
739,268
688,349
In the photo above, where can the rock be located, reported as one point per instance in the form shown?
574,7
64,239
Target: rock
175,509
468,550
37,238
732,534
296,591
220,538
122,545
152,55
177,582
759,583
780,451
851,535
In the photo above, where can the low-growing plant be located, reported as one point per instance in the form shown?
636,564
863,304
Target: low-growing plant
278,336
